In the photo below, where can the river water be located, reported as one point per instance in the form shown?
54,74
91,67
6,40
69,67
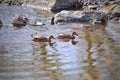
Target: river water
94,56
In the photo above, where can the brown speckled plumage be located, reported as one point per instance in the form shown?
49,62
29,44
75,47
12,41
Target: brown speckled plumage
67,36
42,39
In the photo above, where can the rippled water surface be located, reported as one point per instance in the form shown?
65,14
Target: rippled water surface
94,56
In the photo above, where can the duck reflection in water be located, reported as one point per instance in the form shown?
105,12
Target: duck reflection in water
74,42
91,70
45,62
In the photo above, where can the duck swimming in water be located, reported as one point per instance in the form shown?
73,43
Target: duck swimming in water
42,39
67,36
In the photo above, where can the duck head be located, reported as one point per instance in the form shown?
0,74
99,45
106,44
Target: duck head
73,35
51,37
36,39
49,40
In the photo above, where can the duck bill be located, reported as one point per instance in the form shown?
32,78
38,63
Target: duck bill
54,38
77,35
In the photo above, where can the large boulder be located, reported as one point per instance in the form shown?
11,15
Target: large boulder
20,21
80,16
64,5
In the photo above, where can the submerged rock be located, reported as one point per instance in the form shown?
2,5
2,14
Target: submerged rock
19,21
79,16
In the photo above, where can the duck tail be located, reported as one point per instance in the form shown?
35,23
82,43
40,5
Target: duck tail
32,35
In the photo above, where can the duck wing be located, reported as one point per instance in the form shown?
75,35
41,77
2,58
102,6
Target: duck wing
43,39
64,36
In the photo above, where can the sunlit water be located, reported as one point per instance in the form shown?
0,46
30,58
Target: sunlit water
95,56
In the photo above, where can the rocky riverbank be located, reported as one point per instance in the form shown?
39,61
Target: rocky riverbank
76,10
12,2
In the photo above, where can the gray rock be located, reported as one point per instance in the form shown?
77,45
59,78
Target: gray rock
64,5
19,21
115,13
79,16
12,2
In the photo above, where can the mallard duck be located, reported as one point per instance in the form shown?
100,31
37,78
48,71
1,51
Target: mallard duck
1,24
42,39
67,36
52,21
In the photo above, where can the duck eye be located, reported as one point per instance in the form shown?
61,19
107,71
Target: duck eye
76,34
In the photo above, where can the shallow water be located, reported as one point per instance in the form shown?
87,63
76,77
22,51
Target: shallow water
95,56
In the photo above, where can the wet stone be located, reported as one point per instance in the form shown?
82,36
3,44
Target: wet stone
79,16
19,21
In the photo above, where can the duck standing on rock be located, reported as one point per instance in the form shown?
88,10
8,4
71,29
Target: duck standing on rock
52,21
1,24
67,37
